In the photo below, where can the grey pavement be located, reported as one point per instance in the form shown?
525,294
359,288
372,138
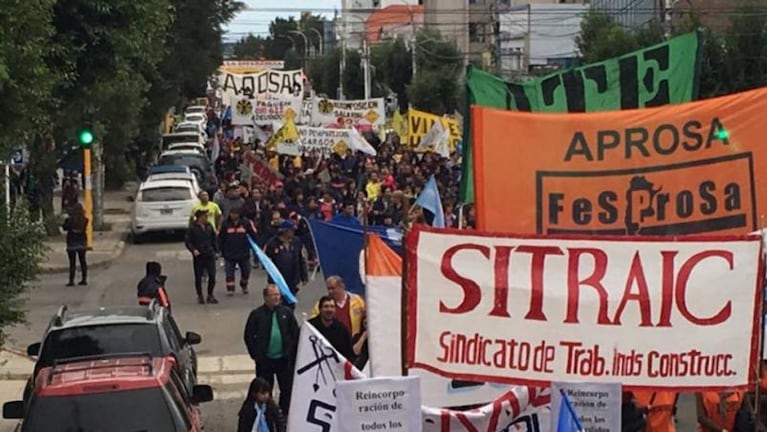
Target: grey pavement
223,360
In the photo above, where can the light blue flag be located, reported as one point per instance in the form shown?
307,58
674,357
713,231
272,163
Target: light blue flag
429,200
273,272
568,418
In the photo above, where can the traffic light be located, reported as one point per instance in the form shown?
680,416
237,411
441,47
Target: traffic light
85,137
722,134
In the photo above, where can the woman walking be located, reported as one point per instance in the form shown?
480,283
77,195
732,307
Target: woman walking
75,226
259,413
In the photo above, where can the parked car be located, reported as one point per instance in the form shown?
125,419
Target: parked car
196,109
122,392
182,137
173,172
189,146
199,164
198,118
161,206
191,127
111,331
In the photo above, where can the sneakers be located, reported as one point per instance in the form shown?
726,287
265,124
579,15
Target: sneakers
200,300
212,300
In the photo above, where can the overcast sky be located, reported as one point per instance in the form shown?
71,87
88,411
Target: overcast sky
257,22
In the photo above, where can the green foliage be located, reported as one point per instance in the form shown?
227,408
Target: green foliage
601,38
22,251
281,44
439,64
323,72
393,65
25,79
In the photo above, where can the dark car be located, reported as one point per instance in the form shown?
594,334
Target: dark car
198,163
129,392
110,331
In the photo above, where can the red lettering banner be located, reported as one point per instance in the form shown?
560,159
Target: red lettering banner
648,312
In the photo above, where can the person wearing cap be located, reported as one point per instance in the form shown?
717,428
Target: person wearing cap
201,242
232,198
214,211
286,252
233,242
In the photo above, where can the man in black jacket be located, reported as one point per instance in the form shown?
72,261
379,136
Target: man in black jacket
233,242
286,252
335,332
201,242
271,336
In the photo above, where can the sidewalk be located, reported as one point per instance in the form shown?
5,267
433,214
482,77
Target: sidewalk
107,245
15,368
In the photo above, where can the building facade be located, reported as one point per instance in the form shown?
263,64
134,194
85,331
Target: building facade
632,14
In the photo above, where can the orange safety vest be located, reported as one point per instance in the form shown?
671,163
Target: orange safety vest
660,409
726,419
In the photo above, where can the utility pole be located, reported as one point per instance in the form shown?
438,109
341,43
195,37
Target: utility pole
341,70
366,66
98,190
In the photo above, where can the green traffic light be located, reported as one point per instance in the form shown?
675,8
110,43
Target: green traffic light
722,134
86,137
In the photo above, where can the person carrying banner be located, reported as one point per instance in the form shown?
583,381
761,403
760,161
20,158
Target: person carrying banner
233,243
152,286
329,327
659,408
717,410
286,252
271,337
350,307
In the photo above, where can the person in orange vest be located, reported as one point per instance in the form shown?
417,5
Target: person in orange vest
717,410
152,286
660,409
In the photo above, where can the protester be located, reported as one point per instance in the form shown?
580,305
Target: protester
152,286
259,413
271,337
360,347
235,248
286,252
75,226
350,307
329,327
717,410
214,212
660,409
201,242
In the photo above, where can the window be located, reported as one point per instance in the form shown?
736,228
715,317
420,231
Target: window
132,410
476,32
175,340
165,194
99,340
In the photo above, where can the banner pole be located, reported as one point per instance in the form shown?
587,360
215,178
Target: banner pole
404,311
758,371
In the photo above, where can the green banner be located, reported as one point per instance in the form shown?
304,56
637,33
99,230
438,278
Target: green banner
662,74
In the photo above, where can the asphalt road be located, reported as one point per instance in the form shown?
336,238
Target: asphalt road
224,361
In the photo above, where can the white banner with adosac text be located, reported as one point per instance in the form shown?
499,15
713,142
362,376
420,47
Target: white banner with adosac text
235,87
349,113
648,312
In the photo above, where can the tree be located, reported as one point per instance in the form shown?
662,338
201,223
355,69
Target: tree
393,68
251,47
439,63
601,38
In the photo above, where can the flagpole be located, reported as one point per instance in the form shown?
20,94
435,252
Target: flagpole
565,400
404,312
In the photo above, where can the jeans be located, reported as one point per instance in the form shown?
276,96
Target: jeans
230,266
79,254
204,264
283,368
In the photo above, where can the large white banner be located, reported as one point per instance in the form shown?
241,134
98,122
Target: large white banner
650,313
265,83
371,112
319,367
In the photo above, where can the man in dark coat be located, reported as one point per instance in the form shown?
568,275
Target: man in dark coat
271,336
201,242
286,252
152,286
335,332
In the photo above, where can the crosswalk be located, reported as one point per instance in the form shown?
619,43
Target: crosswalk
228,375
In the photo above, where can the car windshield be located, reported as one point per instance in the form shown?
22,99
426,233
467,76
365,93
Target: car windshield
195,117
164,194
186,137
186,159
99,340
145,410
187,128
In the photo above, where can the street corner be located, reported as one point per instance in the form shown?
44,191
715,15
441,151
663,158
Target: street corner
15,366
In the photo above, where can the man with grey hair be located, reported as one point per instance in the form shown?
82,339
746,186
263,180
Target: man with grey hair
350,307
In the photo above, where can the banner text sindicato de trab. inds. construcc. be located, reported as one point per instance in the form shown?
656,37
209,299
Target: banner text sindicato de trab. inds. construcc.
650,313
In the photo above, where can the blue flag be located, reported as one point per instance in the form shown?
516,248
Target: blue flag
429,200
568,418
339,248
273,272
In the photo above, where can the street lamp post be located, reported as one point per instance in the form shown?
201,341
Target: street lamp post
319,35
306,44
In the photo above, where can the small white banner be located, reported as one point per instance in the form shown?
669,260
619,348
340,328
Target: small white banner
349,113
597,406
379,404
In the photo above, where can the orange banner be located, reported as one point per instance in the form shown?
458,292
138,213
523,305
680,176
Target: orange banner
682,169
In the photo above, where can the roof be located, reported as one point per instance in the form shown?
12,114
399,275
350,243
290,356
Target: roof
124,315
392,16
196,135
166,169
165,183
188,152
131,372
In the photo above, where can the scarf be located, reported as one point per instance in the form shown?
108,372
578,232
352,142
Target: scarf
260,424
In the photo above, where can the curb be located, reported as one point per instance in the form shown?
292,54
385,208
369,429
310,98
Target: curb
116,253
8,376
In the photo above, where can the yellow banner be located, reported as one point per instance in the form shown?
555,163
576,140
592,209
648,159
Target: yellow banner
420,122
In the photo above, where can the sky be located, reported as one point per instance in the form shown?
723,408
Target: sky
257,22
